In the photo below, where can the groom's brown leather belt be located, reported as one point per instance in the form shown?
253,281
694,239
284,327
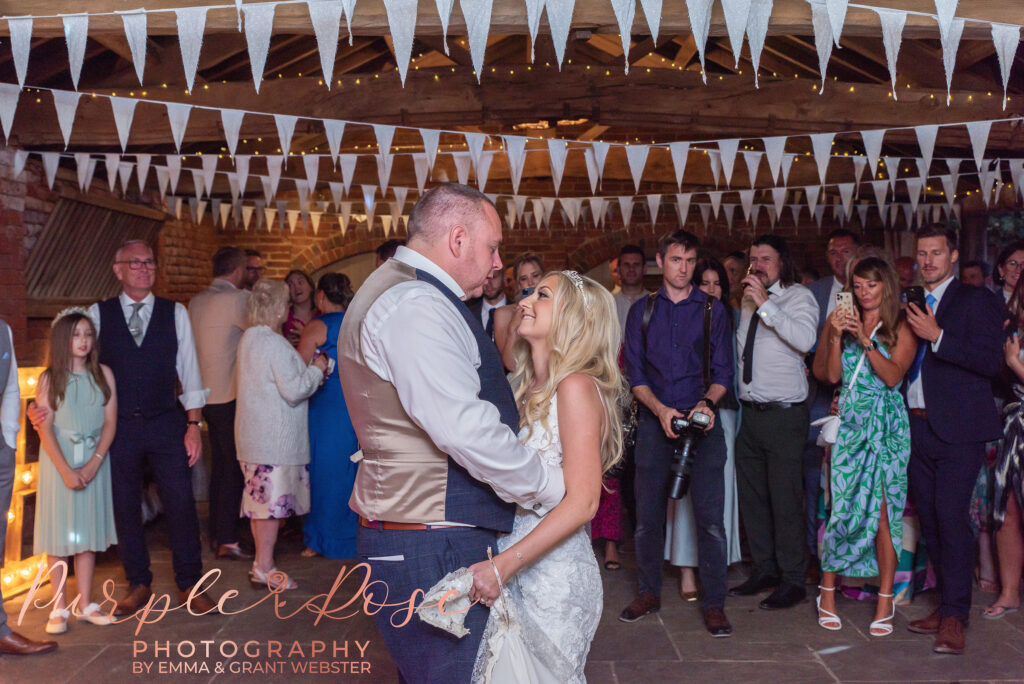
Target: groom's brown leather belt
397,526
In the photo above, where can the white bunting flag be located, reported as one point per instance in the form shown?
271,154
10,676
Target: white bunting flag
700,23
557,151
347,165
82,160
66,103
285,125
757,31
926,141
881,188
124,112
859,164
76,31
821,144
892,37
716,201
683,207
873,146
978,132
191,25
51,160
779,199
598,206
538,213
653,202
862,214
715,159
520,203
259,25
223,209
9,94
400,196
515,151
747,202
420,166
679,151
1017,174
20,29
787,164
626,208
600,154
326,19
444,11
384,163
822,38
293,219
1006,38
386,220
811,192
275,162
177,116
246,216
269,213
268,188
636,155
774,148
135,33
197,182
236,190
231,119
625,11
591,163
705,210
846,197
209,171
142,162
922,168
242,169
728,149
311,162
534,8
174,207
548,204
478,25
200,211
337,193
945,11
483,168
819,214
402,28
908,215
345,216
430,140
350,6
463,163
559,21
173,170
571,206
950,43
729,209
475,144
836,17
124,175
736,13
795,209
753,160
948,189
954,170
892,168
314,219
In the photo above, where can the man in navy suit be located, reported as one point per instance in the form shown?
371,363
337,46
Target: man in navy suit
952,415
841,247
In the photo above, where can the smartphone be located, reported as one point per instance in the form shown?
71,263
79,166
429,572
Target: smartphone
844,302
914,294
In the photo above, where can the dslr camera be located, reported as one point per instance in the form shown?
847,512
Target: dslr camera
689,431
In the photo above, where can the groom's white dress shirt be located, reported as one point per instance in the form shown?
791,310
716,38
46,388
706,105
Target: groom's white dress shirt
434,373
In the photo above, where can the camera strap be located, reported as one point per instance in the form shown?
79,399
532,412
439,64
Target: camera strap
707,342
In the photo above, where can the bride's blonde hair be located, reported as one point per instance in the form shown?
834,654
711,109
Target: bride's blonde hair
584,338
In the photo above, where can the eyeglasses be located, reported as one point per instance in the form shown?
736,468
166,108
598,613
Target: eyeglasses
138,264
1015,265
256,269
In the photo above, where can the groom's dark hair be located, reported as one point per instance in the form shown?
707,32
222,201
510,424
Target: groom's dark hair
443,201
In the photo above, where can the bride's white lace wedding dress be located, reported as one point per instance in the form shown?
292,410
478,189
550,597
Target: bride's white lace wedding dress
553,604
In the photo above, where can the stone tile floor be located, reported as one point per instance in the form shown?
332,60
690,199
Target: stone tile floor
671,646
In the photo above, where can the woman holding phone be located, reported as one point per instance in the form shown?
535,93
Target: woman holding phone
868,346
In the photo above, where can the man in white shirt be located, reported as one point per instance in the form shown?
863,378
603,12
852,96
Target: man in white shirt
147,343
777,327
218,316
492,298
632,267
11,643
437,423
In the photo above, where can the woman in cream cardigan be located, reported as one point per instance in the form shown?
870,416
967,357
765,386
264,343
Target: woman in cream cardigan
271,426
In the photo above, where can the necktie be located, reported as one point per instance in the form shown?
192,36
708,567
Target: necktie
135,323
915,368
748,349
489,328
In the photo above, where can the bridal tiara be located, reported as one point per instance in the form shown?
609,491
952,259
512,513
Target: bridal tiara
72,310
577,280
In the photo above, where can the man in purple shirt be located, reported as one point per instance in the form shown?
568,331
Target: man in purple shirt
666,368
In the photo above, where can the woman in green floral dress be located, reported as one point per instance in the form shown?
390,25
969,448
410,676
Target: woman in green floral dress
868,478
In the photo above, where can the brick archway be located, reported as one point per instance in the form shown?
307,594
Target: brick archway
598,250
335,248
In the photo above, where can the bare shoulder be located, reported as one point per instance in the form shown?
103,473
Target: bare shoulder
107,373
578,390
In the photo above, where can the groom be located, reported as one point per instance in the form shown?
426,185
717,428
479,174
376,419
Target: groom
442,467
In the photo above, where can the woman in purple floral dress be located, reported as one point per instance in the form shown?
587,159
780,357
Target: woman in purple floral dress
271,431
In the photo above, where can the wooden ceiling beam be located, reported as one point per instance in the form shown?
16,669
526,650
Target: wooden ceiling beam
509,17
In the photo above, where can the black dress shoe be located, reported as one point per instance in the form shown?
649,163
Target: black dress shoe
757,583
786,595
225,552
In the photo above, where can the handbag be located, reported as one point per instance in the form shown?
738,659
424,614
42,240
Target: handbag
830,424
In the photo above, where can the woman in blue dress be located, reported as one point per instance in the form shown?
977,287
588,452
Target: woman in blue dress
330,527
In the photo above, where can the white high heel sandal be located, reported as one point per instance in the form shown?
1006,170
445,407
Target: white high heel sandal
827,620
883,625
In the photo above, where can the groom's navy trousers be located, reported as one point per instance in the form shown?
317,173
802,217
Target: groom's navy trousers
419,559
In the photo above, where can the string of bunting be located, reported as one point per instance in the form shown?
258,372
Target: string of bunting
750,18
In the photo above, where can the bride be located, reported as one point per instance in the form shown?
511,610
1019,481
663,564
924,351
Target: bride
569,389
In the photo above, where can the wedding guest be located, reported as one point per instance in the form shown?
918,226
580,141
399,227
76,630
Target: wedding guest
330,528
74,509
809,274
613,272
1009,265
952,415
490,301
869,352
271,426
906,271
528,272
254,268
1008,499
218,320
777,327
736,266
11,642
301,308
679,364
977,273
386,250
632,268
510,283
681,529
841,246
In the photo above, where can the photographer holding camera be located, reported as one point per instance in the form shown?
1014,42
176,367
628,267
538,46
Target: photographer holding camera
679,363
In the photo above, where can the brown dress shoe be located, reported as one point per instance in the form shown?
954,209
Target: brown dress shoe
716,622
138,595
951,638
200,604
16,644
926,625
642,606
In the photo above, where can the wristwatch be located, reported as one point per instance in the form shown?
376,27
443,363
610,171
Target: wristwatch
197,423
871,347
710,403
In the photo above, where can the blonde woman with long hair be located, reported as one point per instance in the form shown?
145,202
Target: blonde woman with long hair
569,390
